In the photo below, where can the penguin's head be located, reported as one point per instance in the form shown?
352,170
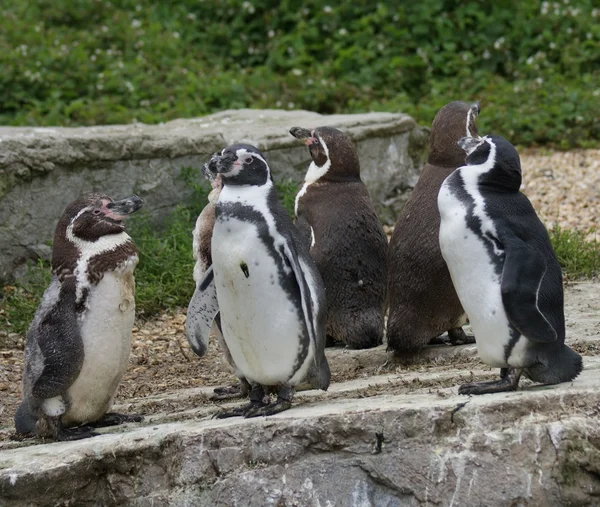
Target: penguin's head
240,164
452,122
334,157
85,222
496,160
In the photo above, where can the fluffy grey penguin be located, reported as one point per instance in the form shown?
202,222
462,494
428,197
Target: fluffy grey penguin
335,217
504,269
79,342
421,298
202,255
263,287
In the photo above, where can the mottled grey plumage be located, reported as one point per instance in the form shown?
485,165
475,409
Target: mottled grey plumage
79,340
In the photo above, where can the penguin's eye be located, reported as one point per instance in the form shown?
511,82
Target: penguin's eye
247,160
96,212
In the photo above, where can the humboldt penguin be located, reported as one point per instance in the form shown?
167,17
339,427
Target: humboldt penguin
504,269
422,301
336,218
79,341
263,285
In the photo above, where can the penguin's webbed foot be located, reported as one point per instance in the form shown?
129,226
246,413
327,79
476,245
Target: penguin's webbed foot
76,433
114,419
239,390
239,411
258,399
284,402
270,409
509,381
457,336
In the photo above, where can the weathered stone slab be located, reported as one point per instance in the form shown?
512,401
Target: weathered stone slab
535,447
43,169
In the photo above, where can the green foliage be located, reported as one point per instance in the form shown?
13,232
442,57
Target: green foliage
534,65
579,258
18,302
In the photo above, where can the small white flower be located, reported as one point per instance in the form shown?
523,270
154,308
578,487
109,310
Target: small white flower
271,34
93,58
529,60
297,72
129,86
486,55
136,23
291,105
278,103
120,64
343,31
516,89
104,28
539,80
327,9
498,43
552,45
190,16
176,35
100,86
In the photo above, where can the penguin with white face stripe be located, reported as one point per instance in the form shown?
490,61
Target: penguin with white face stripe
504,269
264,287
79,342
337,221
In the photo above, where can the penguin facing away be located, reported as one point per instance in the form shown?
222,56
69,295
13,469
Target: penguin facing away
264,286
79,341
337,221
504,269
423,303
202,240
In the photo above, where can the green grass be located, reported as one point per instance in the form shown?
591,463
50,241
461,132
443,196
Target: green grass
579,258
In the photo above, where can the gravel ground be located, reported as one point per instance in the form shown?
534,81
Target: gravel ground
563,187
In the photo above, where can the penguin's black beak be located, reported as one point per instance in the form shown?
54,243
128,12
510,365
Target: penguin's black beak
209,170
125,206
300,133
224,162
469,144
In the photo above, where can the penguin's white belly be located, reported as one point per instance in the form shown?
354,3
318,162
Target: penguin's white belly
475,282
261,325
106,333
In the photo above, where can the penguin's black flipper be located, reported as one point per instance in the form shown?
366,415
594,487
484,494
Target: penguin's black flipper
522,275
313,307
59,339
304,230
202,310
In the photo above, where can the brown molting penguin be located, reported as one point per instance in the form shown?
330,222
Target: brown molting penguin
202,255
79,342
335,217
422,301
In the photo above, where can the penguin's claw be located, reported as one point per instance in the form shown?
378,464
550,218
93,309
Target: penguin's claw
271,409
235,391
77,433
509,381
239,411
114,419
457,336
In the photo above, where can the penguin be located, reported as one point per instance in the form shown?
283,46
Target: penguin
337,221
263,286
202,239
78,344
422,301
504,269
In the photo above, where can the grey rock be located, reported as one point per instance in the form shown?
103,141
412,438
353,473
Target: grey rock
43,169
401,438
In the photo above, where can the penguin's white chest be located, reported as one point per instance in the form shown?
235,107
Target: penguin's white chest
106,333
263,325
476,282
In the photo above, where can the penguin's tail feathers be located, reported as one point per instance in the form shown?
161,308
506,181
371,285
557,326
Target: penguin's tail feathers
319,374
561,366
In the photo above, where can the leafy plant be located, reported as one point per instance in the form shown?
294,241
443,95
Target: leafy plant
535,66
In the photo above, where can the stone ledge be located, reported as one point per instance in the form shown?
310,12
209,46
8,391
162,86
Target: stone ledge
43,169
